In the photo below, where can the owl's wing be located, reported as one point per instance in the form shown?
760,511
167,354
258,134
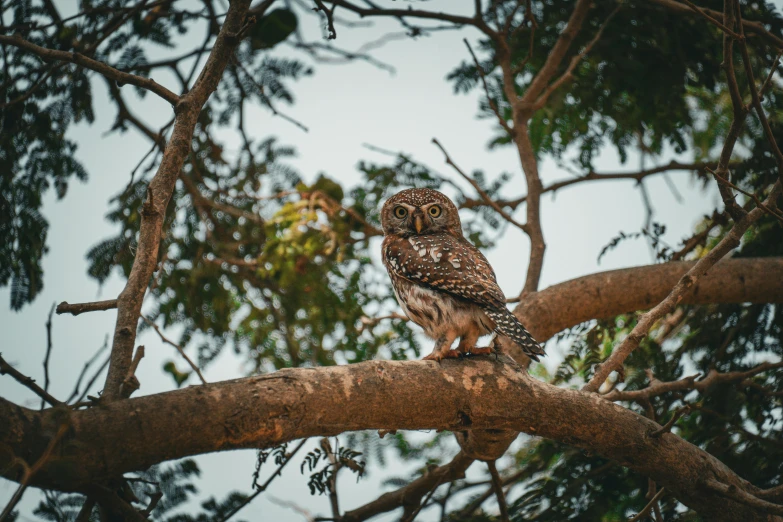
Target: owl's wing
444,263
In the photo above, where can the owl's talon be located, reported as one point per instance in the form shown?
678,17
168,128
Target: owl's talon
482,351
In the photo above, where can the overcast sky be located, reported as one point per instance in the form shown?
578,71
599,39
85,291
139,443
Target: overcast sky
344,107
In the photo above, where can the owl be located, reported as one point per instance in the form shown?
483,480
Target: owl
442,282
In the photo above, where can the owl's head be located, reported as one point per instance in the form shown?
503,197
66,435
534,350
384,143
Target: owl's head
420,211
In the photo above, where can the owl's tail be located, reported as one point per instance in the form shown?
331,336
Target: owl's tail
508,325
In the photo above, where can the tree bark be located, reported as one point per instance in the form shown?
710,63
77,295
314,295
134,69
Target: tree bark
457,395
294,403
607,294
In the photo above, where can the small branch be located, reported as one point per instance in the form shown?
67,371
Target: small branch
265,485
412,493
80,308
329,18
641,514
680,290
701,12
734,493
713,378
28,382
752,196
484,196
369,322
492,104
94,65
666,428
497,485
569,72
175,345
331,482
131,383
48,353
768,82
596,176
29,472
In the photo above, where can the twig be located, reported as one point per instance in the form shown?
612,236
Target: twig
497,485
99,67
369,322
86,511
131,383
329,18
646,509
80,308
175,345
713,378
92,380
751,195
666,428
331,482
698,10
48,353
492,104
412,516
756,98
265,485
293,505
29,382
734,493
488,200
768,82
29,472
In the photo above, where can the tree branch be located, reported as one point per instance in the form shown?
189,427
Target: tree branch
713,378
159,193
264,411
607,294
677,294
735,493
80,308
411,494
27,382
94,65
597,176
756,28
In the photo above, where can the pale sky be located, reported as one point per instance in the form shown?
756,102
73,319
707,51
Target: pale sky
344,106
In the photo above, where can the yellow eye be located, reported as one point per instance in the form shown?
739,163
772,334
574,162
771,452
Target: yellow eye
400,212
435,211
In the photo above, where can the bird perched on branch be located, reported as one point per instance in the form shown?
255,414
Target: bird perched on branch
443,282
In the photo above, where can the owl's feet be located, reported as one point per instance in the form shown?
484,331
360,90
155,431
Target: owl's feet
450,354
481,351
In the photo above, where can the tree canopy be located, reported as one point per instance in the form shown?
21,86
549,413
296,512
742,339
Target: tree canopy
667,405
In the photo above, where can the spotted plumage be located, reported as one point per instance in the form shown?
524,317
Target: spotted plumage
443,282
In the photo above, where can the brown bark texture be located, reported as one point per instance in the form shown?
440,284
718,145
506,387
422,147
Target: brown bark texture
456,395
295,403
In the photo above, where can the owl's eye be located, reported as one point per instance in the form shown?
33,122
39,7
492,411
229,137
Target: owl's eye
400,212
435,210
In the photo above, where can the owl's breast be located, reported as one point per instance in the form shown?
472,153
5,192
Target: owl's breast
436,312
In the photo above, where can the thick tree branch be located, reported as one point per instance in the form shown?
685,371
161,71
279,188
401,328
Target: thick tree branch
159,193
290,404
94,65
607,294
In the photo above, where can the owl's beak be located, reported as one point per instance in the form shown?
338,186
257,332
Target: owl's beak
418,222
